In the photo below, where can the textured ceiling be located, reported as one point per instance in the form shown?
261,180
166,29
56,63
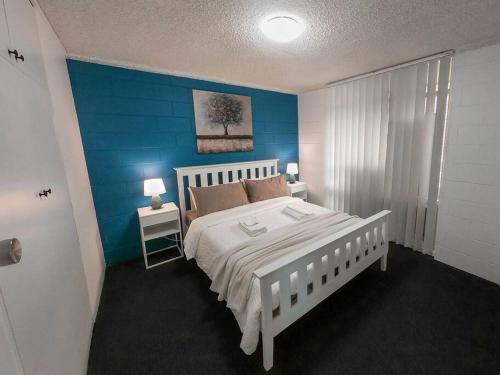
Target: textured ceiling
220,39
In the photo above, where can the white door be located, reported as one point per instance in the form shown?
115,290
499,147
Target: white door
23,33
10,363
20,211
4,34
44,294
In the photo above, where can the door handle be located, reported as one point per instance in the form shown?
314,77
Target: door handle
13,52
16,54
45,193
11,252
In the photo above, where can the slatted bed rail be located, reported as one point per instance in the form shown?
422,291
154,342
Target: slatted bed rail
318,270
217,174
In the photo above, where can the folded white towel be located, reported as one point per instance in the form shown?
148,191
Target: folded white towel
249,221
253,231
301,208
251,226
296,215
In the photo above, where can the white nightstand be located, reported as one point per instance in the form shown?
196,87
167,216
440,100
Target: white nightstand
298,190
160,223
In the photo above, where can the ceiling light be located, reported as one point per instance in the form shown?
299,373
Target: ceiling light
282,28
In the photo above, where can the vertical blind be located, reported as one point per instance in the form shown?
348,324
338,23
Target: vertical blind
385,148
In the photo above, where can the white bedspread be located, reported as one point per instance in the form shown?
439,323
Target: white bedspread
216,233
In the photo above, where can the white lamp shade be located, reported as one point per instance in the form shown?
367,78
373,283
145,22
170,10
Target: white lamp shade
292,168
153,187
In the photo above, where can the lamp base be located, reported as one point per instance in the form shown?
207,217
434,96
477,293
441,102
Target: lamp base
292,179
156,202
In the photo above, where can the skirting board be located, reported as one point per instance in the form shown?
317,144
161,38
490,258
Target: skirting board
94,316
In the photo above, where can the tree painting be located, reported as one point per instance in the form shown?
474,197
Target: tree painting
223,122
224,110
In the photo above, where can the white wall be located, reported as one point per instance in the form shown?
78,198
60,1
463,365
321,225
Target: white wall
70,144
314,119
468,229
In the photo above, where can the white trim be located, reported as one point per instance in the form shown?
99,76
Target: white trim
94,316
98,296
263,166
177,73
390,68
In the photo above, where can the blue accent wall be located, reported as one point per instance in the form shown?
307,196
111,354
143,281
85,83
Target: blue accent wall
137,125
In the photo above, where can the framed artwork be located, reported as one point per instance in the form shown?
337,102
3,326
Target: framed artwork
223,122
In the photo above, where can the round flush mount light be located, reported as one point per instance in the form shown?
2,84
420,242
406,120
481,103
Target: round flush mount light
282,28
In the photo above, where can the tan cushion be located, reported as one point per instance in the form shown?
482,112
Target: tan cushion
190,216
256,179
217,198
259,190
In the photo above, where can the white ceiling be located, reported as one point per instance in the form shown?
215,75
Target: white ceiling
221,40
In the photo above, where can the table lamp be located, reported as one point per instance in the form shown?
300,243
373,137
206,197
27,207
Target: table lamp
292,169
153,188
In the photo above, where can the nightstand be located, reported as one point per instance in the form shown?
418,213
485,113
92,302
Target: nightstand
163,222
298,190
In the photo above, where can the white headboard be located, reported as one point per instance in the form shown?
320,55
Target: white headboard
216,174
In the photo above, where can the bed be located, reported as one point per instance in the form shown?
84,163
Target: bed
286,288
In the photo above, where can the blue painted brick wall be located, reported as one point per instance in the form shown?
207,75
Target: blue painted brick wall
137,125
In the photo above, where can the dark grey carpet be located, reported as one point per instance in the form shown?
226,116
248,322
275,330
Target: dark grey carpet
420,317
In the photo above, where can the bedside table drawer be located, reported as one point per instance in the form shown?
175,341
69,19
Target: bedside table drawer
159,218
296,188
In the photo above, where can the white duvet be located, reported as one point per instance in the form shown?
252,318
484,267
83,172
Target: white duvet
216,233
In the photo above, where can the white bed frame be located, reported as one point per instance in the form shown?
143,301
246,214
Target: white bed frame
231,172
346,253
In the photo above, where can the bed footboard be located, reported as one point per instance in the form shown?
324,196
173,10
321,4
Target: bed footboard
330,263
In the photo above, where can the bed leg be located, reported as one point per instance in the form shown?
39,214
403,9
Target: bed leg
267,351
383,263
